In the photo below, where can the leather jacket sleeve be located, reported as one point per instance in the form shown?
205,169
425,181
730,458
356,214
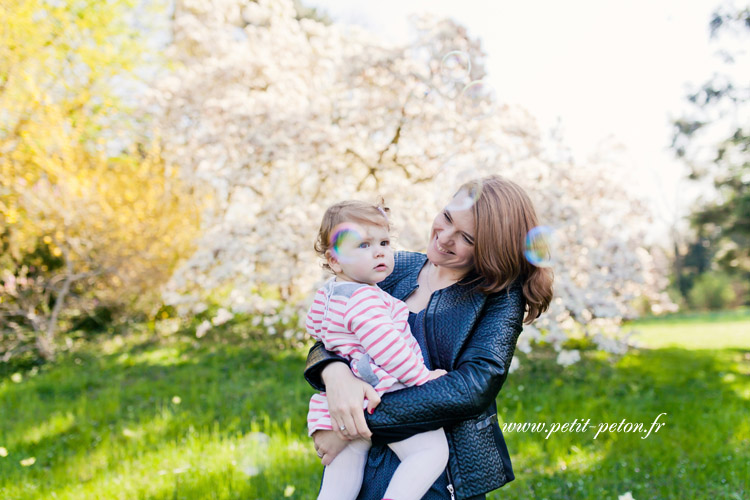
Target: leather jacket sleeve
466,391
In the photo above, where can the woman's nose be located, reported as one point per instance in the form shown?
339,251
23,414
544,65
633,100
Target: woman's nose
446,238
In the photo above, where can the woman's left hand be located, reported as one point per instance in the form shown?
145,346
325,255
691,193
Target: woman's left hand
328,445
346,394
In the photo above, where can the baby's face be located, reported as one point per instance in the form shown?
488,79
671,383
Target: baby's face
364,256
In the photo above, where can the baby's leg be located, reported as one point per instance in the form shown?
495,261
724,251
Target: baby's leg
423,458
342,479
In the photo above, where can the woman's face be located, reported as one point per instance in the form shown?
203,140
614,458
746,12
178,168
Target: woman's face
452,235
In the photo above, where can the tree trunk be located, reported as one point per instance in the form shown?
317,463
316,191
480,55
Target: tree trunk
46,340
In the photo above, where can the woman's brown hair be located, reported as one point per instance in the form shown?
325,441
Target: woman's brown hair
504,215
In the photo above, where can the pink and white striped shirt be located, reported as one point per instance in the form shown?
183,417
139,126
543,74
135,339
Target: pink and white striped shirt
354,320
370,329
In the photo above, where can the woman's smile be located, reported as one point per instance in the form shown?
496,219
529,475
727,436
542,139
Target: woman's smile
441,249
452,240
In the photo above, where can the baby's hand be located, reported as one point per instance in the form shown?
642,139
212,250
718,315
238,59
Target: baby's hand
436,374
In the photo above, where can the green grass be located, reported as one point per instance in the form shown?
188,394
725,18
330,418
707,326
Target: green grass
107,423
694,330
133,418
739,314
702,451
724,333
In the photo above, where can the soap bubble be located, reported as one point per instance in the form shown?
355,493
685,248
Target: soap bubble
538,249
251,453
455,172
345,238
455,66
465,198
477,100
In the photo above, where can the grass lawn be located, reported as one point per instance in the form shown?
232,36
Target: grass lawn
723,330
132,418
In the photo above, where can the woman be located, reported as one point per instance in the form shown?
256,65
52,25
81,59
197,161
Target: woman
467,298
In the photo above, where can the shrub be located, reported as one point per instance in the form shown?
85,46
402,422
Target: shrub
712,291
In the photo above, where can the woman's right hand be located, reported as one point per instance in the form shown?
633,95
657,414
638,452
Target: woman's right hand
346,394
328,445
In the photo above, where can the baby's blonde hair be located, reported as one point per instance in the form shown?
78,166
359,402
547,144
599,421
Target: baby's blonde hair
349,211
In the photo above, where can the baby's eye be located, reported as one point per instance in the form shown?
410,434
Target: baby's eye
385,243
364,245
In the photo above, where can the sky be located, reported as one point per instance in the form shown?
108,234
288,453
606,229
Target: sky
607,71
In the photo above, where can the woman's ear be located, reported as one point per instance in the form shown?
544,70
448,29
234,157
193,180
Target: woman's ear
333,262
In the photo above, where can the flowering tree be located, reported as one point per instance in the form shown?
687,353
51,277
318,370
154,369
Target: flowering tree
89,212
283,117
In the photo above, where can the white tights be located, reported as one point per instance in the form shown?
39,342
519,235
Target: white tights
423,458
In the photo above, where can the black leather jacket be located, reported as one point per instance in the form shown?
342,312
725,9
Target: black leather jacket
472,336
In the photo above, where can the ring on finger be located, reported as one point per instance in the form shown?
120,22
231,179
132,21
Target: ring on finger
342,428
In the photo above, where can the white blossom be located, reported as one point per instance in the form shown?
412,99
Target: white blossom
514,364
523,344
202,329
610,344
222,316
294,115
568,357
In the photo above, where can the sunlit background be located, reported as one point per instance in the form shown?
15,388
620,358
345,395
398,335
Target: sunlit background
164,167
603,76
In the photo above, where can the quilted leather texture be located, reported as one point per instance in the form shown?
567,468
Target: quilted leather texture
473,336
477,463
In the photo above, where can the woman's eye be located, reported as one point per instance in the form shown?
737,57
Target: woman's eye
445,214
467,240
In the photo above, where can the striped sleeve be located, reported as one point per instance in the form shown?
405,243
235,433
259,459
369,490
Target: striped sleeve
315,315
369,319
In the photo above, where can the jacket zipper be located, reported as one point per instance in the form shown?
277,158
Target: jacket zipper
450,484
424,329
